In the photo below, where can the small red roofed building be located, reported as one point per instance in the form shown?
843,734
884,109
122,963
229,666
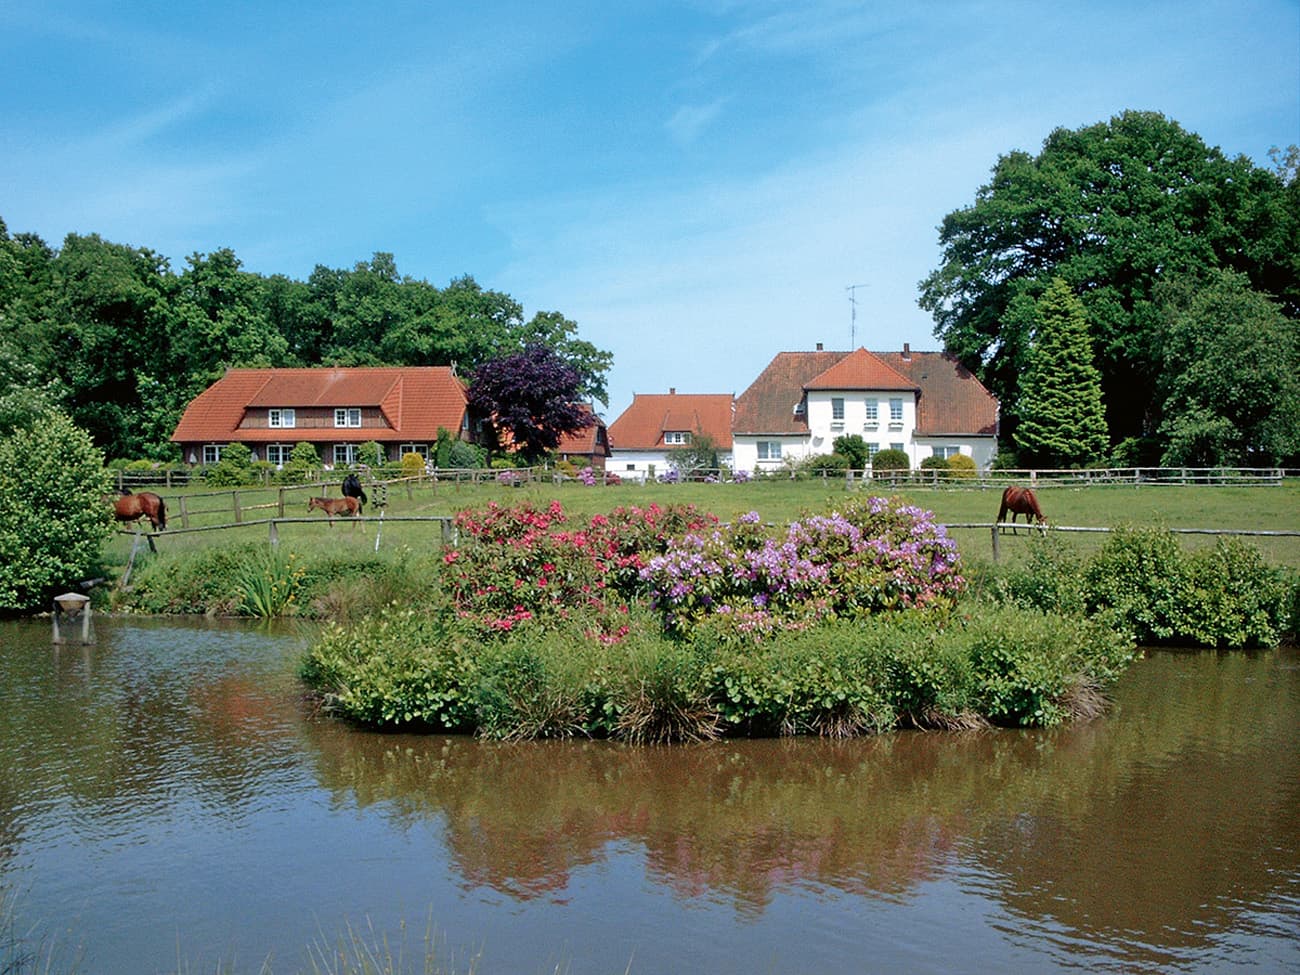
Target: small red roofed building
656,423
588,447
922,403
336,409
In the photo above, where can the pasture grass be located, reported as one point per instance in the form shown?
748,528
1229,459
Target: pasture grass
1246,508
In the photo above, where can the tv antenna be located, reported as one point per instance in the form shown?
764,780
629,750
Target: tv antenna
853,315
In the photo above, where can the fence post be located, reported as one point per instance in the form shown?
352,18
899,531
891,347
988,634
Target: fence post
185,513
280,508
239,517
275,535
995,542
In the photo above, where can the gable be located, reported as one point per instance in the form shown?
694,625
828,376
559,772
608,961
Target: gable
651,415
951,401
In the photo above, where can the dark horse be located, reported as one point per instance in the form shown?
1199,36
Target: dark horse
335,506
352,489
1021,501
146,504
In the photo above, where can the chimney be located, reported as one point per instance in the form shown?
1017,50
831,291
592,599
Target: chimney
819,347
672,390
907,351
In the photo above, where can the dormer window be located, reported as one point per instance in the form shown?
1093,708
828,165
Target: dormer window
676,438
282,419
348,417
800,409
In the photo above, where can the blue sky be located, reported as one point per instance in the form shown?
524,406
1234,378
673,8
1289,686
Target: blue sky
697,184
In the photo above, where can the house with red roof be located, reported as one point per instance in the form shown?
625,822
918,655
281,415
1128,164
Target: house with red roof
922,403
336,409
656,423
588,447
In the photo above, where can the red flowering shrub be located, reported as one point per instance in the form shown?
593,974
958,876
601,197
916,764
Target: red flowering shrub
521,563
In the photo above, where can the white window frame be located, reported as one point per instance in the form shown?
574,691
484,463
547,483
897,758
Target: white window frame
278,453
898,446
281,418
677,438
769,450
872,450
413,448
895,410
345,454
945,452
347,416
212,453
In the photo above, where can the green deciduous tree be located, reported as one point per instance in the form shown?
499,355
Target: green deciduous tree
1062,423
1230,386
1112,209
54,519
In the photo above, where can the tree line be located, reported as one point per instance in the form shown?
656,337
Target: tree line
1130,295
110,335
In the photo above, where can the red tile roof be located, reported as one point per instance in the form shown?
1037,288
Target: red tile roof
587,441
860,370
643,424
414,400
951,401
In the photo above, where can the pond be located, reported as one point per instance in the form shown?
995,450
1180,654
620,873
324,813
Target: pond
169,802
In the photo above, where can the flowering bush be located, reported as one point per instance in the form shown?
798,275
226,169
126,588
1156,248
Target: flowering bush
522,563
587,476
670,476
740,477
876,554
508,478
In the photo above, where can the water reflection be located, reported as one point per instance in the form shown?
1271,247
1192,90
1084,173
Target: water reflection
1164,835
1154,832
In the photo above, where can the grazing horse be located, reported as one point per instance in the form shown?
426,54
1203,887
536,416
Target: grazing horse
335,506
1021,501
352,489
146,504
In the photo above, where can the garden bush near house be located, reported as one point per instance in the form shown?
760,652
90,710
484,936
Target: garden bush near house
962,467
304,464
822,465
464,456
890,460
852,446
934,463
413,465
235,468
370,454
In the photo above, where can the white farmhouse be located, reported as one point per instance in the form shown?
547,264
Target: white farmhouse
922,403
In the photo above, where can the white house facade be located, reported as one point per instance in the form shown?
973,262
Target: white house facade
922,403
644,435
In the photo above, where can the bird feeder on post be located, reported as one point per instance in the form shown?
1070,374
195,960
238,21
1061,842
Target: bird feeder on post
72,605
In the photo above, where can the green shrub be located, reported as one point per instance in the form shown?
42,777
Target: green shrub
54,518
303,465
370,454
824,464
1225,596
890,460
961,466
464,455
852,446
933,463
234,469
399,668
412,465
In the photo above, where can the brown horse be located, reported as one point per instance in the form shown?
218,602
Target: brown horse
146,504
1020,501
335,506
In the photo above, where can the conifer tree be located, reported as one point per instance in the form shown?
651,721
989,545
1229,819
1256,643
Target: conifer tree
1062,422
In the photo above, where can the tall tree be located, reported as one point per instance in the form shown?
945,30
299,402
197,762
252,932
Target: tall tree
561,334
531,397
1112,209
1230,386
1062,423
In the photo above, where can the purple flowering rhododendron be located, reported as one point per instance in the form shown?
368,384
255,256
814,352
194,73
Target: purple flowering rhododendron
873,555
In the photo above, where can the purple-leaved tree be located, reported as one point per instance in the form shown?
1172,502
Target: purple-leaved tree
531,397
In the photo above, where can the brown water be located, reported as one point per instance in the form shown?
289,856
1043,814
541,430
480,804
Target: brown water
167,803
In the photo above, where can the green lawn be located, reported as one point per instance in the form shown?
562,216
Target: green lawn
1274,507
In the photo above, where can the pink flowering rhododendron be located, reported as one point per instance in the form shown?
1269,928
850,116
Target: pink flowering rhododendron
522,564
